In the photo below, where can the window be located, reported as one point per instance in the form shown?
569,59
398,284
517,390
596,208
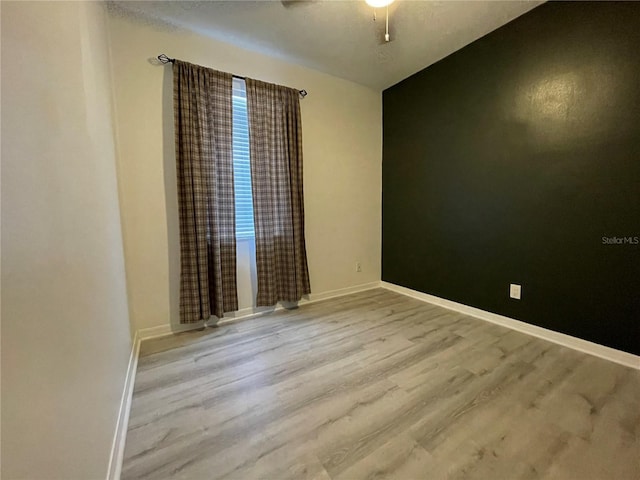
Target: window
241,165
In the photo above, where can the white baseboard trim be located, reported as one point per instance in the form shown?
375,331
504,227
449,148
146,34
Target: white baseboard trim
120,435
164,330
341,292
608,353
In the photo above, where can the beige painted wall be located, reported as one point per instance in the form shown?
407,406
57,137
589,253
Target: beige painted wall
65,328
342,166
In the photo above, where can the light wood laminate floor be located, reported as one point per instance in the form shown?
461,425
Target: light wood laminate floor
378,385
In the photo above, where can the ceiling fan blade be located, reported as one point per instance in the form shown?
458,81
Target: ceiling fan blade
296,3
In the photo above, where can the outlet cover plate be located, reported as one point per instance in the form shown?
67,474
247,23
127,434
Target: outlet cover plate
515,291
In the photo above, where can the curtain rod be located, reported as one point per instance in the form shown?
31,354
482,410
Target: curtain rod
164,59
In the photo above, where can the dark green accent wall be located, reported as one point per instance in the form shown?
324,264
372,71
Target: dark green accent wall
509,160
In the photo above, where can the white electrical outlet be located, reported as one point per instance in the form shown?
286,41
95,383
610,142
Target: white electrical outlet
515,291
358,267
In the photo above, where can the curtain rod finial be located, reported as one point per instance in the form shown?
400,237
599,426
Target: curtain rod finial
303,93
164,59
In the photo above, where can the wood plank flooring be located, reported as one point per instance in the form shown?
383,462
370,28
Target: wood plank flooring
378,385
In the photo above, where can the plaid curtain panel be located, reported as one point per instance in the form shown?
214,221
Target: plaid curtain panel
275,138
204,160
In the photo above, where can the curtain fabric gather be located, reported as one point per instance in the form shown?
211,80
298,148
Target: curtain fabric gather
204,160
275,138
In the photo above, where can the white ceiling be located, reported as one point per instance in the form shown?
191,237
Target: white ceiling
339,37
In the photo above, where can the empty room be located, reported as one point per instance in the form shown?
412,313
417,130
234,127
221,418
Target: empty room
320,239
